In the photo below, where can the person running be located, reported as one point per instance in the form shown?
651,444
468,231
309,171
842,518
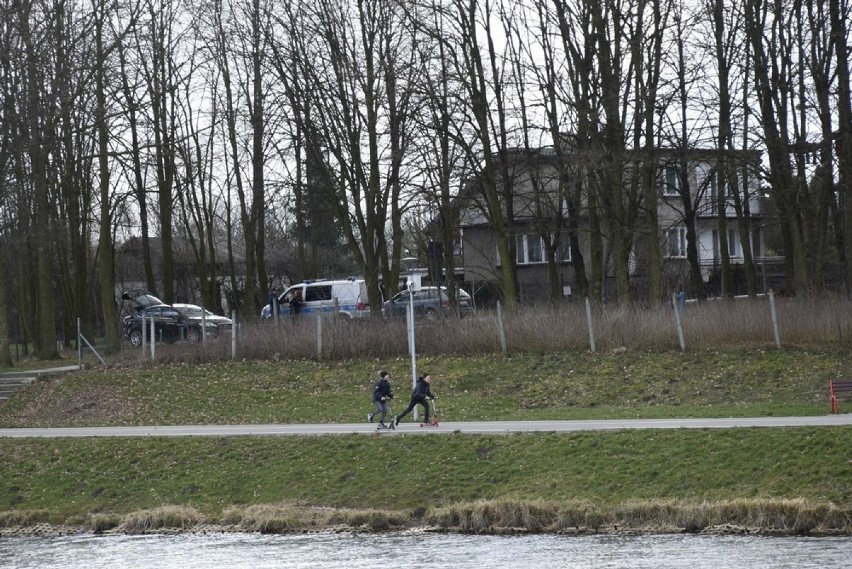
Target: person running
422,391
382,392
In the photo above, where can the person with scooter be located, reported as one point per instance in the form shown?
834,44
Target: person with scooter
422,392
382,393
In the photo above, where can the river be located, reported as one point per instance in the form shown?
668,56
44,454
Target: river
424,551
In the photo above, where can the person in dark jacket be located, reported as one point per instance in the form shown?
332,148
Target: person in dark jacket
272,301
382,393
296,304
422,392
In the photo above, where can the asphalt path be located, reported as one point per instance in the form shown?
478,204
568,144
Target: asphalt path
480,428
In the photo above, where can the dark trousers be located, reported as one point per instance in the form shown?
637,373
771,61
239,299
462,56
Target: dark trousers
416,400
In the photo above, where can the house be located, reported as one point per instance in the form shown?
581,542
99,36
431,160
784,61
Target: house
550,202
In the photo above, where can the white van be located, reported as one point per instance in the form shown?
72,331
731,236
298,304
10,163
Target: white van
346,298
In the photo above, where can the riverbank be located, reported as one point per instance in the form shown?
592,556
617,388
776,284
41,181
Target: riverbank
787,480
755,517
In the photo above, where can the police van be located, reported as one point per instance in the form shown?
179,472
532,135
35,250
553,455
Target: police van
346,298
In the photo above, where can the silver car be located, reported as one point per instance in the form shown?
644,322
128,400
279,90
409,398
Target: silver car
430,302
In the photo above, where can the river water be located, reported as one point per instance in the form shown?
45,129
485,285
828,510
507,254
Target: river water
424,551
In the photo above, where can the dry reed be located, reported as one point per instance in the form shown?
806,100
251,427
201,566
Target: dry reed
802,323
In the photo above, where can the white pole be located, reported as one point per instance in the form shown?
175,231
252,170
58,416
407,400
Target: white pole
319,335
500,327
677,323
79,345
589,324
153,340
234,328
774,319
411,347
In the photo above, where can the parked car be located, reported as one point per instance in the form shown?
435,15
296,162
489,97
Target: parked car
345,298
170,323
197,314
430,302
133,300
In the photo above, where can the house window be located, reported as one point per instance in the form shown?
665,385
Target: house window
530,249
563,249
757,242
675,242
734,244
734,250
668,182
712,193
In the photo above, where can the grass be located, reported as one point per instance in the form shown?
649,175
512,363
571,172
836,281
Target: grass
568,385
612,473
779,480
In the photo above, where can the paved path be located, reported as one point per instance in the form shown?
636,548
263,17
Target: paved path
484,427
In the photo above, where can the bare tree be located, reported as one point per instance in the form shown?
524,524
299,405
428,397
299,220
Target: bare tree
358,117
839,11
771,72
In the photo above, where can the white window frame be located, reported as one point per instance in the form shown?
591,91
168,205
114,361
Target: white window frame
669,181
679,234
734,249
523,241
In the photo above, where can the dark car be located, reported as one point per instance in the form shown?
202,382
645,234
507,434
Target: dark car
199,315
430,302
170,324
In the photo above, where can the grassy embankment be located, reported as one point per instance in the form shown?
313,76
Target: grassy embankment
787,480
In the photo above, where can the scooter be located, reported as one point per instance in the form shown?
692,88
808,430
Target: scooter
434,421
387,427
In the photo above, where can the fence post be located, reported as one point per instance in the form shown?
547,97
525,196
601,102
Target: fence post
677,323
774,319
235,326
500,327
589,324
319,335
153,340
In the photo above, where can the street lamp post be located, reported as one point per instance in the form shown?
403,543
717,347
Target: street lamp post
412,285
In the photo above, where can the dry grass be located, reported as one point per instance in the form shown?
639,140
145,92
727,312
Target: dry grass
284,518
174,517
26,518
804,323
783,516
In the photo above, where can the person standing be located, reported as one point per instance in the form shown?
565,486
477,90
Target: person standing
272,301
422,392
296,304
382,393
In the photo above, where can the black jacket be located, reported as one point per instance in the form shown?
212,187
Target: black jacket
382,388
421,389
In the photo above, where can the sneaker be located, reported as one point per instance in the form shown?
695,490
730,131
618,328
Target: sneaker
382,425
395,420
370,417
